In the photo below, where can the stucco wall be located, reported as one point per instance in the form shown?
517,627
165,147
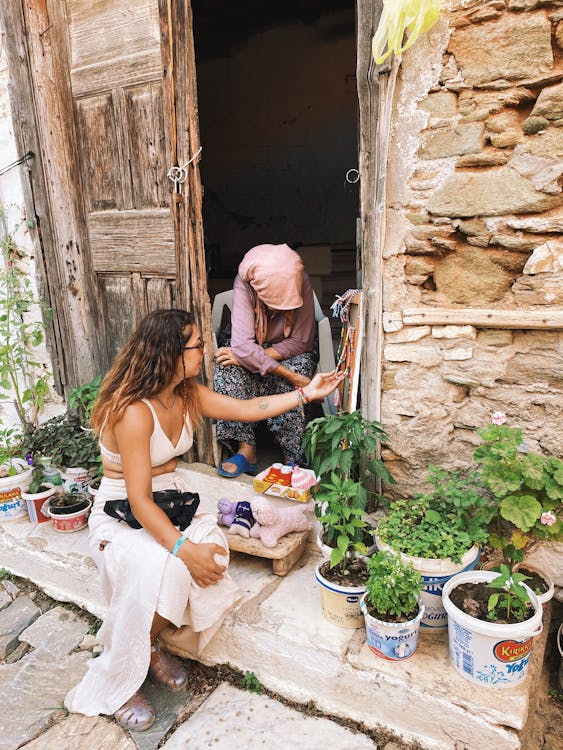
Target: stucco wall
474,196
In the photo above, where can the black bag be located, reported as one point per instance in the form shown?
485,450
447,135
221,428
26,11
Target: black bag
180,507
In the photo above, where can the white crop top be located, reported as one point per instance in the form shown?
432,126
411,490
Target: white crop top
161,447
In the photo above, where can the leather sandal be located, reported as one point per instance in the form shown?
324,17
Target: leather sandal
136,714
166,671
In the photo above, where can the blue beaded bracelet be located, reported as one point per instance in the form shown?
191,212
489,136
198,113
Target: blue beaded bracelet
177,546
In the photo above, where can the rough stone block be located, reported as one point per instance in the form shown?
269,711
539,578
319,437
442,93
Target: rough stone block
457,353
422,355
13,619
494,193
454,332
463,139
549,103
409,333
256,716
495,337
57,632
511,48
440,104
547,258
471,277
79,732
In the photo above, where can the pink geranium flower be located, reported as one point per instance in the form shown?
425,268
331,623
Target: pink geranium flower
548,518
498,417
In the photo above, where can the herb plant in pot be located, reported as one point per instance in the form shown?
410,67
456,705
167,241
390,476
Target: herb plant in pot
341,450
439,532
392,606
15,475
493,619
528,488
37,493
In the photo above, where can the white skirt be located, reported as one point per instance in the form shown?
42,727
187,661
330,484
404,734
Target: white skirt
141,577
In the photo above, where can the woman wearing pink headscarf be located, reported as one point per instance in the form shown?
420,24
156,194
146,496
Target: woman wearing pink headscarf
270,350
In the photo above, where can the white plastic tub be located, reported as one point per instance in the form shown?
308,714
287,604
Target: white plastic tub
12,505
488,653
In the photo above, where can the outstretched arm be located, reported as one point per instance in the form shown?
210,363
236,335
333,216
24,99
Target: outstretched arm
218,406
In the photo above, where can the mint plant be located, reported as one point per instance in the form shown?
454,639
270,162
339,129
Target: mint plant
511,599
23,379
444,522
527,486
393,587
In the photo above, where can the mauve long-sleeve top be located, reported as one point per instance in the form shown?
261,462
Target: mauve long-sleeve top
243,338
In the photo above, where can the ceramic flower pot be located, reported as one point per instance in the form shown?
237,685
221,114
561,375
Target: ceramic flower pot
487,653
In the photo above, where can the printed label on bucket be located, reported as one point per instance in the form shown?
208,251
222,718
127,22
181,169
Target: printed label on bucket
500,664
392,647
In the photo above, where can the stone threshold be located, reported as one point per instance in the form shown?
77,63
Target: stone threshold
277,630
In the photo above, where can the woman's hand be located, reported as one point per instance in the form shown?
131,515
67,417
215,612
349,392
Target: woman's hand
200,561
224,356
322,384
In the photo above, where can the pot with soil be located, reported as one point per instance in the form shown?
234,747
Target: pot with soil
69,511
493,619
539,581
342,587
35,499
392,607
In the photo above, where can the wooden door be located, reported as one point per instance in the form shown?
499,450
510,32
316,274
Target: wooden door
113,94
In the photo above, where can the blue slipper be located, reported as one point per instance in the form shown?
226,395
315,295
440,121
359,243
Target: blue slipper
241,462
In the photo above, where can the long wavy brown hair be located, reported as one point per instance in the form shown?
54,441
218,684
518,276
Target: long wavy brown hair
145,365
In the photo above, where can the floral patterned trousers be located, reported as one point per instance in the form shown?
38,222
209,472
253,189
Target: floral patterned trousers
287,429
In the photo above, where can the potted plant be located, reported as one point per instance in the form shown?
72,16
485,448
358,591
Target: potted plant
528,488
68,511
81,400
68,446
493,620
439,532
15,475
392,606
341,450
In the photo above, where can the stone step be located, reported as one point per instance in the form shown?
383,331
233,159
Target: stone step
278,632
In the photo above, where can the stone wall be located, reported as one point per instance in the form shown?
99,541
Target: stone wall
475,212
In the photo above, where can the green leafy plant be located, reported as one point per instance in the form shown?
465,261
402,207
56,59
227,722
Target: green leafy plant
528,487
393,587
510,599
63,439
341,450
81,399
10,449
251,683
23,380
442,523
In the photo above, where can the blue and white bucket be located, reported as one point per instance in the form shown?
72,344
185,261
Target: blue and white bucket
341,604
436,573
12,505
490,654
392,641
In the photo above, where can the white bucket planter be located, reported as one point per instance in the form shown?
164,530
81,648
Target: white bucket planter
544,598
435,573
489,653
326,551
392,641
75,479
341,604
12,505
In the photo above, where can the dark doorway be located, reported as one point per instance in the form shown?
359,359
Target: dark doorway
278,122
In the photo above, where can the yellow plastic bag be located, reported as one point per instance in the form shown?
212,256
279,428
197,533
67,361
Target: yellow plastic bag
398,16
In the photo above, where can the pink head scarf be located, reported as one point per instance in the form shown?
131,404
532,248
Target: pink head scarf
275,272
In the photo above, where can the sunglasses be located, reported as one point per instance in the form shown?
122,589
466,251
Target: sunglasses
201,345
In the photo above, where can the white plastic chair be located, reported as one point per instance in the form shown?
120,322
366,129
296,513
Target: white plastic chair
326,349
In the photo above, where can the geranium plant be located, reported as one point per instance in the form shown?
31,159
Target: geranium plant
528,487
442,523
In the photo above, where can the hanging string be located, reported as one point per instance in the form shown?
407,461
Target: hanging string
180,174
341,309
17,162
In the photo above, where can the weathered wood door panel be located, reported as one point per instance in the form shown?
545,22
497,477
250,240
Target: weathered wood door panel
115,97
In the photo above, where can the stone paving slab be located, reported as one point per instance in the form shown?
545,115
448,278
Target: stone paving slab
13,619
167,706
37,685
78,732
57,632
232,719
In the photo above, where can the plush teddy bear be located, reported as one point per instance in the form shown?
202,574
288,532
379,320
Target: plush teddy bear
243,520
226,511
273,521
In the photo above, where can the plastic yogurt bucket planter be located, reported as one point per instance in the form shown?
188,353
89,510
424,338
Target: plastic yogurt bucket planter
75,479
490,654
12,505
392,641
35,502
436,573
341,604
66,522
